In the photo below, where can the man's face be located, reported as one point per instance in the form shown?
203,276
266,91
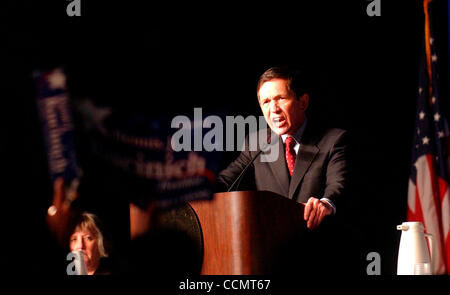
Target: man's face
86,242
283,112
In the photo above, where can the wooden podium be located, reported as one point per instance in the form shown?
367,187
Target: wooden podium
248,233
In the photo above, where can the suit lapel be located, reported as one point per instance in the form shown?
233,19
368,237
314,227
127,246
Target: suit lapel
279,168
305,156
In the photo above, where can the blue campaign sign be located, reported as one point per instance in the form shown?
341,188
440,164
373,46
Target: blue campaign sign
56,120
141,147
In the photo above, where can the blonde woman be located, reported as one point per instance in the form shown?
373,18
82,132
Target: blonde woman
88,238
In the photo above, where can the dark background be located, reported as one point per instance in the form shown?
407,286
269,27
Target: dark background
169,59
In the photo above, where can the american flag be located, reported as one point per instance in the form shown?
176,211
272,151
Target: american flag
428,192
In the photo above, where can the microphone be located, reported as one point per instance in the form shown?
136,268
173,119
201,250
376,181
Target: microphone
77,266
237,181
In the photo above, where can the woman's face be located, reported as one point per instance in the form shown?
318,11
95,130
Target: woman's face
85,241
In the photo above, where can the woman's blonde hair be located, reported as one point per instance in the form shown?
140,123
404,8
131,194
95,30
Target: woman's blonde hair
88,222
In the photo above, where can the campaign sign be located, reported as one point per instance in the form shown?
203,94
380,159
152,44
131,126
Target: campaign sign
141,147
56,120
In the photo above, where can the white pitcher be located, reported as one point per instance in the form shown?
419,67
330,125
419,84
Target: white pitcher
413,254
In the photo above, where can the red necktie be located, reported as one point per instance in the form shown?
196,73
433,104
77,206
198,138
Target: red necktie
290,154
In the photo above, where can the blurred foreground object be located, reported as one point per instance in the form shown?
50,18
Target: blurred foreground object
60,214
138,150
140,220
57,127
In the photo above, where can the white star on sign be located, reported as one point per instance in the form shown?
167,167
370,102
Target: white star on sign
420,90
425,140
95,116
433,99
421,115
431,41
441,134
434,58
437,117
57,80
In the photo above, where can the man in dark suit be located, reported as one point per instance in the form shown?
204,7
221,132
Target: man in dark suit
311,167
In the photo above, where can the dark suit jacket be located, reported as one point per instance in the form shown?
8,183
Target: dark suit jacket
320,170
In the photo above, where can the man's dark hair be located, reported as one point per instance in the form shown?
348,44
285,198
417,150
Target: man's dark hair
297,80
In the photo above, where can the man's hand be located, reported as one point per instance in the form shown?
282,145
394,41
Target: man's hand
315,212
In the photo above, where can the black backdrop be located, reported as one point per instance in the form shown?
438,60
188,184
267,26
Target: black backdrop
170,59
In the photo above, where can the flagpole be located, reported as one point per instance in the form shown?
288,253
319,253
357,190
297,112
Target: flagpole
427,44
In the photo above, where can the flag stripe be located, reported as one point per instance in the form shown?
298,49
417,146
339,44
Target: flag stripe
445,206
414,206
434,189
426,209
